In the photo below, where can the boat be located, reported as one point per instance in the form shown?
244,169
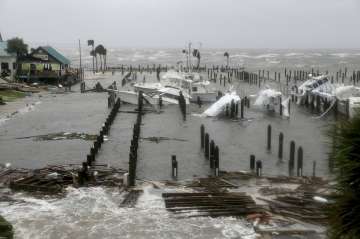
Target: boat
268,98
346,97
192,83
219,106
131,97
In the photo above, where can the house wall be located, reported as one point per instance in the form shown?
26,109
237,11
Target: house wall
10,60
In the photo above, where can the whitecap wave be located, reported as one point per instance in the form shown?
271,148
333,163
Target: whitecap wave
95,213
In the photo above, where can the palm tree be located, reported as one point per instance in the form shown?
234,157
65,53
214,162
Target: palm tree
105,54
226,54
91,43
99,50
344,212
196,53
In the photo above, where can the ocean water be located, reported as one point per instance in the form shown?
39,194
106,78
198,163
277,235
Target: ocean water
94,212
253,59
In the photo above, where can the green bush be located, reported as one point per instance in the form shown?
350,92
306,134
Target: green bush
344,214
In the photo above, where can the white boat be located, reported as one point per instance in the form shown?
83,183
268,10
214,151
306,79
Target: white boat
268,99
219,106
335,93
191,83
131,97
150,87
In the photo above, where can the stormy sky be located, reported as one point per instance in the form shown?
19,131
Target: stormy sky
172,23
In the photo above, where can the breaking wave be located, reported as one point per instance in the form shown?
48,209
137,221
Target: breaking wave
95,213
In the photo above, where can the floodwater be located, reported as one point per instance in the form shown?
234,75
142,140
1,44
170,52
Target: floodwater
94,212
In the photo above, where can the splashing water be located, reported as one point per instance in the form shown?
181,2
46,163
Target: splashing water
95,213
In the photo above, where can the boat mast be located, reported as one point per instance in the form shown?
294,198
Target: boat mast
189,56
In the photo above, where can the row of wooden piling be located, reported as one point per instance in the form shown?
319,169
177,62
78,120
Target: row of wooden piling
211,150
133,155
95,148
299,169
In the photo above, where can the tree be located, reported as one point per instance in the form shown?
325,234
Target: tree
196,53
16,45
226,54
100,50
91,43
344,212
105,54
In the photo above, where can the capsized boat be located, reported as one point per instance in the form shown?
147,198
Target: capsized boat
219,106
192,83
268,98
170,95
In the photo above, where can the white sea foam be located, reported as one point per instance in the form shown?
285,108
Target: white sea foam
341,55
292,54
95,213
270,55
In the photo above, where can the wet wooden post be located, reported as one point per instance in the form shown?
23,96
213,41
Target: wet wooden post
212,154
236,109
217,161
314,169
242,108
252,162
300,162
292,158
247,101
281,144
174,166
207,146
268,145
232,109
258,168
318,103
202,136
347,108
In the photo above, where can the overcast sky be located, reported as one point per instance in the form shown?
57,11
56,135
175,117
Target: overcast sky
171,23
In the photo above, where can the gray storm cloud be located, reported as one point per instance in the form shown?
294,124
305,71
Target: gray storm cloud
171,23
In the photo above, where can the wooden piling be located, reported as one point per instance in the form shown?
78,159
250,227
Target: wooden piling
268,145
281,144
292,158
207,146
300,162
174,166
258,168
202,136
212,154
252,162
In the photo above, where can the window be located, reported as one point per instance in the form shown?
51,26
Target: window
4,66
14,66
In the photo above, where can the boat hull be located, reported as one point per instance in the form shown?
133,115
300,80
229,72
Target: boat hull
204,97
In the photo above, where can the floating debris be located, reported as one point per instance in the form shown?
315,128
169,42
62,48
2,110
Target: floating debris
61,136
158,139
211,204
53,179
131,198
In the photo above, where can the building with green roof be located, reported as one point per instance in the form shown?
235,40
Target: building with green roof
43,64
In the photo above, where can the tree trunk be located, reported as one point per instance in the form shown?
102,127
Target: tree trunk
93,59
105,62
101,62
96,62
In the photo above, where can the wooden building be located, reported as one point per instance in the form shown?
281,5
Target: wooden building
47,65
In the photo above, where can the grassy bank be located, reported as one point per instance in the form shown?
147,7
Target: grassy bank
11,95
